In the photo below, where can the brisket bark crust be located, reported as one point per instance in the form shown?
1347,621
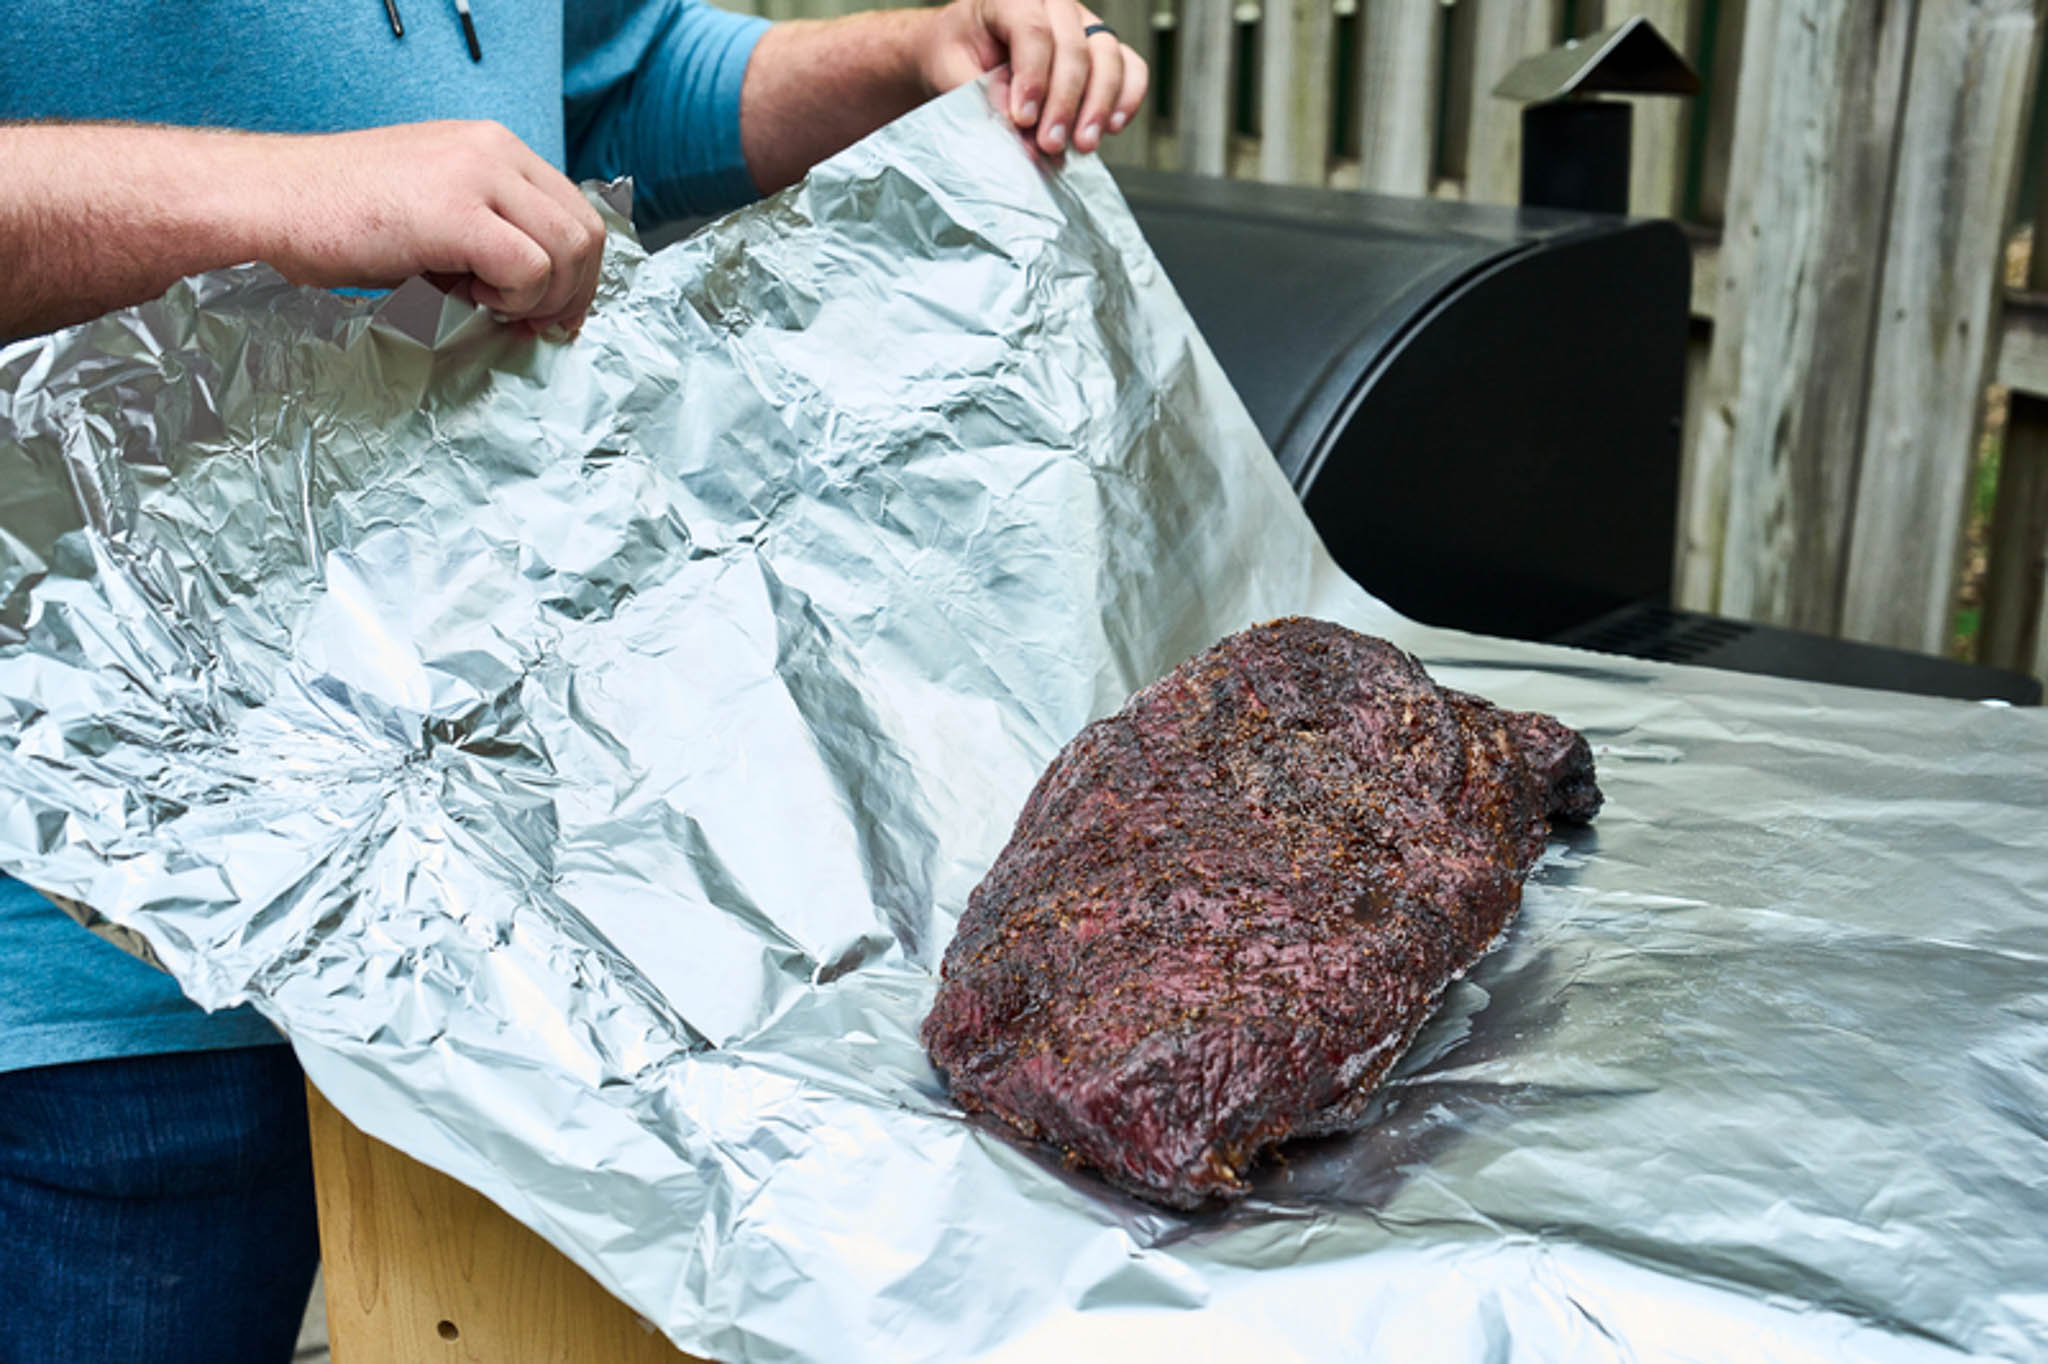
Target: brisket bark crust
1227,909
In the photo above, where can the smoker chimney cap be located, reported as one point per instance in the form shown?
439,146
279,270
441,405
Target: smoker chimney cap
1633,59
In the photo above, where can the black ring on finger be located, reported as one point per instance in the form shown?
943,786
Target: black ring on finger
1093,29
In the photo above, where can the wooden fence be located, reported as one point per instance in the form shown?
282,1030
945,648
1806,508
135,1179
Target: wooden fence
1849,177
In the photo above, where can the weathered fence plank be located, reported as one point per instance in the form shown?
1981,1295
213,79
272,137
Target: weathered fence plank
1768,492
2040,666
1132,20
1455,134
1723,93
1504,32
2015,626
1202,105
1163,153
2023,343
1957,172
1401,52
2017,574
1295,90
1657,160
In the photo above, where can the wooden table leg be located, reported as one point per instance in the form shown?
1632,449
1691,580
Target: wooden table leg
421,1269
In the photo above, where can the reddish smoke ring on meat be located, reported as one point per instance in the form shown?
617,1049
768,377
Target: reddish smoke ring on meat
1227,909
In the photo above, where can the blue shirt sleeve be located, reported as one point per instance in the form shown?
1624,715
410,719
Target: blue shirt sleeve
652,90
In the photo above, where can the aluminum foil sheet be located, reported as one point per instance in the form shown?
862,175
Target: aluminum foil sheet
582,752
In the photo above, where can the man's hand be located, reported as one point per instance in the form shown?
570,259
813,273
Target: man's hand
814,86
467,204
100,216
1065,84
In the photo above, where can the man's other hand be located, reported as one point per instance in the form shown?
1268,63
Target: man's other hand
1067,87
466,204
95,216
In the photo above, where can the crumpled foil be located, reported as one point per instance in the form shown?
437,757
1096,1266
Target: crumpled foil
583,753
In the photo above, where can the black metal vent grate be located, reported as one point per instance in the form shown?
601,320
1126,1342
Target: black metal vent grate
1665,635
1656,633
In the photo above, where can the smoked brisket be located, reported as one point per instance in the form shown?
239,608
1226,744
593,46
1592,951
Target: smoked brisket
1227,909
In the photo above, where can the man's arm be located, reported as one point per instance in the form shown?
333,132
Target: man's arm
100,216
815,86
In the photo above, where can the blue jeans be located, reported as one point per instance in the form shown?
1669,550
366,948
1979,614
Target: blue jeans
155,1210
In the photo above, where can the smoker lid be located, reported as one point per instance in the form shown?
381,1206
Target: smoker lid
1301,291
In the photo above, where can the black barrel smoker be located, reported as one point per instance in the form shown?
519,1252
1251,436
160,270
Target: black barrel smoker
1480,408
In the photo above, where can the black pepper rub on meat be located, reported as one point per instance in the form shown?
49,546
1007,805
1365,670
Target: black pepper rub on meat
1227,909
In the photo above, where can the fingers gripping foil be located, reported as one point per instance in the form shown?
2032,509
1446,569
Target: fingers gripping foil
584,752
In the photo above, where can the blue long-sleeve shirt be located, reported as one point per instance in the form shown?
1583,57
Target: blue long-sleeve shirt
649,88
